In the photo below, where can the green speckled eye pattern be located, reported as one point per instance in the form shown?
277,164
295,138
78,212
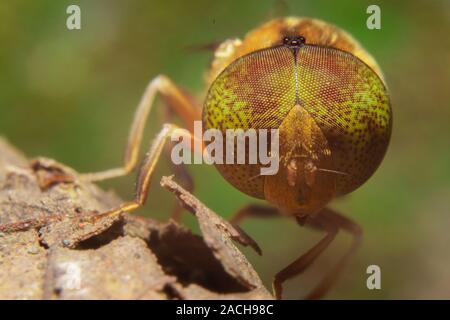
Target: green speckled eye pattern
346,99
350,104
256,91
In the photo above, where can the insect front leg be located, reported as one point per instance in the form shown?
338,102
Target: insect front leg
355,230
253,210
178,101
250,211
331,222
184,178
148,167
302,263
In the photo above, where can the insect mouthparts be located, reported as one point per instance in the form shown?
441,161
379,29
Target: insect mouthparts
294,41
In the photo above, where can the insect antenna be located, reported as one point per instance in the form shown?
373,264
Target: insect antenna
332,171
254,177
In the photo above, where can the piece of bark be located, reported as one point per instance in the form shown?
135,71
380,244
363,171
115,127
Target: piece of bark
218,234
122,269
22,265
53,245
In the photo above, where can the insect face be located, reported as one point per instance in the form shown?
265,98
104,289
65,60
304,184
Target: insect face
331,108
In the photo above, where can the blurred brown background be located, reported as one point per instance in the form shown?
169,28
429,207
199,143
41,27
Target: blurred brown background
70,95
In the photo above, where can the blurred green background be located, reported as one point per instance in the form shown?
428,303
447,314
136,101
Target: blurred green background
70,95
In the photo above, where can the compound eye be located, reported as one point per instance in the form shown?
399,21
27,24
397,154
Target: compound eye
350,105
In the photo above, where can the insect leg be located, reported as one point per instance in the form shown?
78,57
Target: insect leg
356,231
300,265
147,168
180,170
253,210
179,101
185,179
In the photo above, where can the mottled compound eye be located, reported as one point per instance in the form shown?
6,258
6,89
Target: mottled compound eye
350,104
346,99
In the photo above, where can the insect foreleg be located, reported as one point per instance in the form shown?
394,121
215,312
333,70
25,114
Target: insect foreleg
148,167
253,210
331,222
302,263
355,230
